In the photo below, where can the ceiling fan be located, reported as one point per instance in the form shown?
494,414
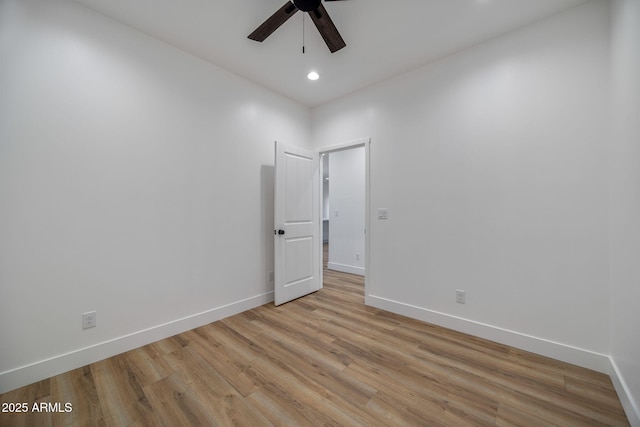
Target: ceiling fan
318,15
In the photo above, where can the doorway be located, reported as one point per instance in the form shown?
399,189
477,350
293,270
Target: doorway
298,208
345,209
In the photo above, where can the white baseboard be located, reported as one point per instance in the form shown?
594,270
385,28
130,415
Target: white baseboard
351,269
566,353
630,406
28,374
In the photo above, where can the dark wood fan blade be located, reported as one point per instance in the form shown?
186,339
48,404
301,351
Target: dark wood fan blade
273,23
327,29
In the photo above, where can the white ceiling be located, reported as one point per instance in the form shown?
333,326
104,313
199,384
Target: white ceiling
384,37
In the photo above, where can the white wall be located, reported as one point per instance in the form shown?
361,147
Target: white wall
625,200
347,213
494,166
135,180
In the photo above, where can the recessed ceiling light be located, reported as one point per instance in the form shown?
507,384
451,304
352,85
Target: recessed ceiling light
313,75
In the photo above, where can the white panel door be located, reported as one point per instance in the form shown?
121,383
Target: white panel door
297,223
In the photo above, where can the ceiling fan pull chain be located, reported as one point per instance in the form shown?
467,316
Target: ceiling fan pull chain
303,33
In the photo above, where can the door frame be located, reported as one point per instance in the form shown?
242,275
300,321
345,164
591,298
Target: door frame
366,143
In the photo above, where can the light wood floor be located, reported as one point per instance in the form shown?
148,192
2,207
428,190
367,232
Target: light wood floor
325,359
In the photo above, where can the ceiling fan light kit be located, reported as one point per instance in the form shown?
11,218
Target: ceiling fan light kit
316,11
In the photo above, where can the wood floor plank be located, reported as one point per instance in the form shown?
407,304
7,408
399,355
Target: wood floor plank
278,409
233,364
597,394
510,417
325,353
173,405
433,405
78,387
121,397
315,367
220,402
324,359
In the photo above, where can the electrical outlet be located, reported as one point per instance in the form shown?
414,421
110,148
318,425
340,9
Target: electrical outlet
357,256
89,320
270,276
461,296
